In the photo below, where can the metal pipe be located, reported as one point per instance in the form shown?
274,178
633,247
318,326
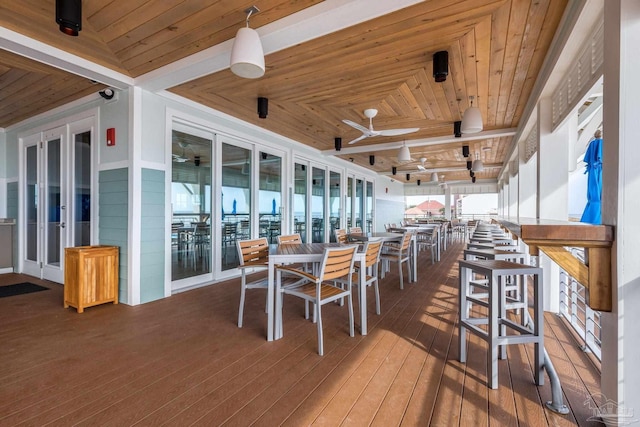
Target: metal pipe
556,404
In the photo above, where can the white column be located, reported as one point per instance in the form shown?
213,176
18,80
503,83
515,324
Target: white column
553,187
447,203
135,193
527,189
621,195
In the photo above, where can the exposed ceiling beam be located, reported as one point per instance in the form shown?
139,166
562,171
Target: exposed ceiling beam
321,19
46,54
429,171
496,133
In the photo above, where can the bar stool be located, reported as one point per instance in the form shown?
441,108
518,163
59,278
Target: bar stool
494,299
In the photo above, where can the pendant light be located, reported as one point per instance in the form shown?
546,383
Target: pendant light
477,166
247,56
471,119
404,155
434,177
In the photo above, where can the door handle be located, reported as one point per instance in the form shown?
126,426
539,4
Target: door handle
61,225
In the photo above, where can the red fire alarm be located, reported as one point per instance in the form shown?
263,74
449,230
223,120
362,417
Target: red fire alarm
111,137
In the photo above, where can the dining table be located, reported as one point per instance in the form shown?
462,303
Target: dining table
304,253
391,237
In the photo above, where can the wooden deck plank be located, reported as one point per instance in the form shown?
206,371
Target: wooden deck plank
184,361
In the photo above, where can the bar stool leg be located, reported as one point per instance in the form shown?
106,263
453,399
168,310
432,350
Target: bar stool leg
538,318
492,359
463,273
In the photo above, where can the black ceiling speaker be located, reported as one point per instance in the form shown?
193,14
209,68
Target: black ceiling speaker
457,128
408,176
465,150
69,16
372,160
469,164
338,142
440,66
264,155
418,182
472,174
394,170
473,179
196,160
263,107
107,93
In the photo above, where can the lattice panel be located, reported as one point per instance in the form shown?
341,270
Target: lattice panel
580,78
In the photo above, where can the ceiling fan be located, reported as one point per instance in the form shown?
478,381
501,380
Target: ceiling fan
366,133
421,166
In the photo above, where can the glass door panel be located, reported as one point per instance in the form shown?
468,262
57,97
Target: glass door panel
300,200
82,189
191,253
349,202
334,204
236,202
369,208
53,205
270,196
32,203
359,203
317,204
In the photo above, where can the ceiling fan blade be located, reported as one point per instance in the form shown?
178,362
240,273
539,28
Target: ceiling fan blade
361,137
422,168
395,132
355,125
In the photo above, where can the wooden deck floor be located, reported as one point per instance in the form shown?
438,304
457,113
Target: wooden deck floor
183,361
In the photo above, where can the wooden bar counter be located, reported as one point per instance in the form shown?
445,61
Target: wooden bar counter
551,237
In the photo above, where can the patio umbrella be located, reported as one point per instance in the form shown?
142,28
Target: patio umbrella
222,205
233,209
593,159
273,207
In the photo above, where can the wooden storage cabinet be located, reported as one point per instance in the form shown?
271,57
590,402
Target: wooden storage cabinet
90,276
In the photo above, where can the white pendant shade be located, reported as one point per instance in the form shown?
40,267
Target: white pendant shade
471,120
404,155
247,56
434,177
477,165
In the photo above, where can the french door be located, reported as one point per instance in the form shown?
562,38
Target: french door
57,203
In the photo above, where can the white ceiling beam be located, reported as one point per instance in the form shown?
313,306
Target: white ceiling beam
437,140
49,55
310,23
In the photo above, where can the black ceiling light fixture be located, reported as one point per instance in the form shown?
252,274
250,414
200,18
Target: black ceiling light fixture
372,160
469,164
418,182
263,107
472,174
465,150
69,16
473,179
196,161
338,143
408,176
457,132
394,170
440,66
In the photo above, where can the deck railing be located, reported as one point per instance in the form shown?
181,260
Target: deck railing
584,320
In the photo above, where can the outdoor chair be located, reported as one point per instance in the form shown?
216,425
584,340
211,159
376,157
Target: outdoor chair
320,289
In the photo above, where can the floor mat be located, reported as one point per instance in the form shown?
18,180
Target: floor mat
19,289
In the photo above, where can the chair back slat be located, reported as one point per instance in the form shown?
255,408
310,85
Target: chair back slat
253,251
341,235
338,262
372,250
289,239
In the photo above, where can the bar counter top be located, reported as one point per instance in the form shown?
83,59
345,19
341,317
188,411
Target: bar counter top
553,236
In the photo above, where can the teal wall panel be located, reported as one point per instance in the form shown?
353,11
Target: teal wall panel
12,212
113,211
152,235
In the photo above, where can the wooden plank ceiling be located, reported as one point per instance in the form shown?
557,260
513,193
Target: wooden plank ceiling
496,49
